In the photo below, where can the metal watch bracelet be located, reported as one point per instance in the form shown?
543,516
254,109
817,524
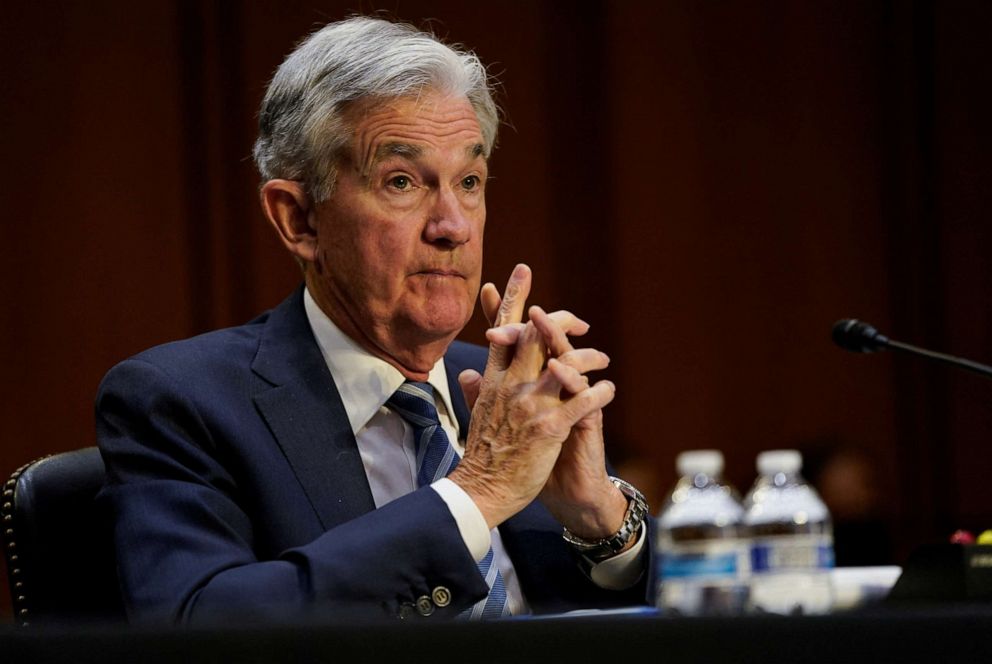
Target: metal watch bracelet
601,549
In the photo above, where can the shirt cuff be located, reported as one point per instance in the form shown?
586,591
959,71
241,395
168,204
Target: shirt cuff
622,570
471,523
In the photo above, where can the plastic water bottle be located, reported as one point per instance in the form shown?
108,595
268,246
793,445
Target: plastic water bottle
702,557
792,552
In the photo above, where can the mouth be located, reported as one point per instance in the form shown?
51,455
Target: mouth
442,273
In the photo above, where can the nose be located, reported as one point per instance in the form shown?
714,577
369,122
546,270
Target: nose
447,223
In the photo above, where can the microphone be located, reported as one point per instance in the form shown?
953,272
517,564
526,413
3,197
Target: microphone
860,337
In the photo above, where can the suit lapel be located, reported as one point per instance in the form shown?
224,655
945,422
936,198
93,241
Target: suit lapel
298,400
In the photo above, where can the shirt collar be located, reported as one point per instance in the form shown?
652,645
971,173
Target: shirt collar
364,381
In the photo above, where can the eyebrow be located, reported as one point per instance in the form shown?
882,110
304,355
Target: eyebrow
397,150
414,151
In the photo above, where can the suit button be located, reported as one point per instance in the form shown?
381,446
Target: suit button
441,596
406,610
425,606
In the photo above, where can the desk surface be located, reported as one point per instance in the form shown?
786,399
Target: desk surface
940,633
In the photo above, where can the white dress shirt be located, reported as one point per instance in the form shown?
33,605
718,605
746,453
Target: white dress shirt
385,443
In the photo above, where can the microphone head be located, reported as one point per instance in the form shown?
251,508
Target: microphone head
854,335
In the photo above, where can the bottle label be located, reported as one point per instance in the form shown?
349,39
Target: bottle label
791,552
702,577
711,559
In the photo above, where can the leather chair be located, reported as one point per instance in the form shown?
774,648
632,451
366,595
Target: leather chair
60,557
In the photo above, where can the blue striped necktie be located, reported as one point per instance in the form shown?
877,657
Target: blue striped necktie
414,402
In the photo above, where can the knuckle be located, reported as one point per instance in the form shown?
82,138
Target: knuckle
527,409
550,427
505,392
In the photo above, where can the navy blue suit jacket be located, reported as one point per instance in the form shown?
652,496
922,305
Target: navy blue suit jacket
237,491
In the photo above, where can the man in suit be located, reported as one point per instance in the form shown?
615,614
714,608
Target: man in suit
320,460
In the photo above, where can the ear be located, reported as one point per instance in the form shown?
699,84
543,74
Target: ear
287,207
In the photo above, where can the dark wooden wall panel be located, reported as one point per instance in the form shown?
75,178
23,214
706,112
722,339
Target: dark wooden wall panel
747,220
963,145
95,246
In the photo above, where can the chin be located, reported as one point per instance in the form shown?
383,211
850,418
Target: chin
440,322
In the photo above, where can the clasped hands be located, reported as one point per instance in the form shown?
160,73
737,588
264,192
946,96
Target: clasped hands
537,422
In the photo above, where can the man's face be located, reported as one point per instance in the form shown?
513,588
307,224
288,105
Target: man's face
399,242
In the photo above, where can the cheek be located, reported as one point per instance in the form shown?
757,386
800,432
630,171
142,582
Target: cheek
359,239
390,249
380,259
477,239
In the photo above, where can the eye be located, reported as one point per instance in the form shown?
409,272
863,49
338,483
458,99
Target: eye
400,182
470,182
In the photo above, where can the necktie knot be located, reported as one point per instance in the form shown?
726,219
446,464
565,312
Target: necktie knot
415,403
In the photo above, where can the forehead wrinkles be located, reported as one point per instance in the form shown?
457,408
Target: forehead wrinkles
420,124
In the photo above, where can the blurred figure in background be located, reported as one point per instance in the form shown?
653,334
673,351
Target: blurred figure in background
844,475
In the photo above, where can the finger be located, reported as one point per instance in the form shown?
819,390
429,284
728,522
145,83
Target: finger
529,355
585,360
511,310
568,371
570,323
567,377
504,335
588,401
552,333
470,381
507,335
490,300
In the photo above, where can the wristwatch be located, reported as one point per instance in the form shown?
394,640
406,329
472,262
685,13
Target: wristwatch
599,550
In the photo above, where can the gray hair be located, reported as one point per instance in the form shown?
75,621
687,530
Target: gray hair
301,121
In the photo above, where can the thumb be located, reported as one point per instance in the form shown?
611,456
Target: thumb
470,381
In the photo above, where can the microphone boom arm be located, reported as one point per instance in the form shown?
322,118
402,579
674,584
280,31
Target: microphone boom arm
970,365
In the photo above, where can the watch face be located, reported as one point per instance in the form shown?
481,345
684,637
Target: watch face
637,509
